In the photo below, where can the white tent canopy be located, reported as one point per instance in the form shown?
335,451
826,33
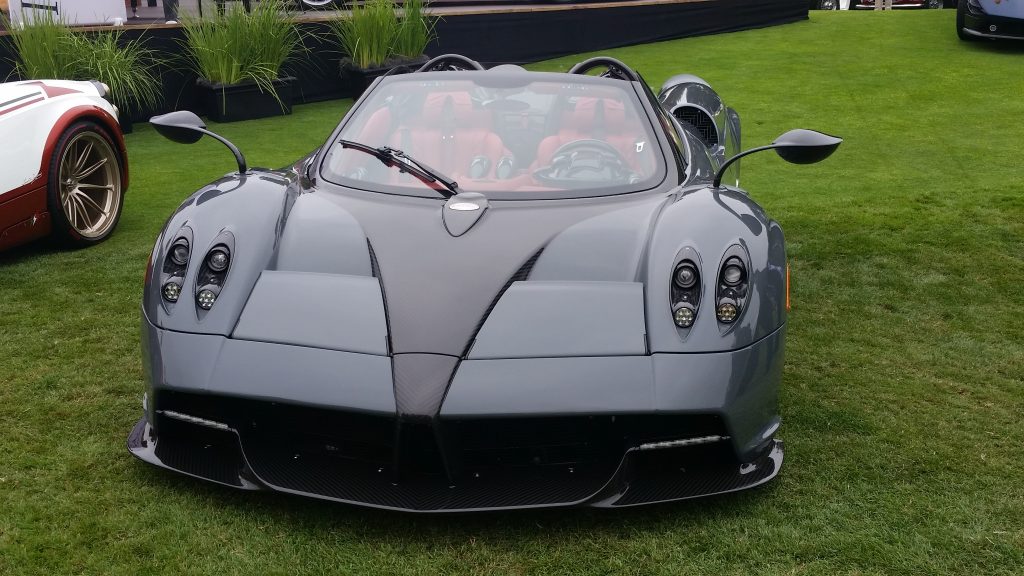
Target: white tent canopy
74,12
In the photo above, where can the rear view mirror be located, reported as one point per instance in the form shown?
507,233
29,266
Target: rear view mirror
805,146
185,127
797,146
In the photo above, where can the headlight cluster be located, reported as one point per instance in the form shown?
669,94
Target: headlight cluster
172,275
730,293
212,271
732,286
685,293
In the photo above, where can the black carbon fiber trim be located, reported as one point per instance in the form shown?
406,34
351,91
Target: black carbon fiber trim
351,482
491,464
363,437
204,452
421,381
137,438
681,473
374,266
523,273
699,121
525,441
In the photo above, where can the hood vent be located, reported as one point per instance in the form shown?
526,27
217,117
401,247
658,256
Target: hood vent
374,266
521,275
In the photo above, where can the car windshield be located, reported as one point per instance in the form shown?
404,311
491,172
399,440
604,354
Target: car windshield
507,136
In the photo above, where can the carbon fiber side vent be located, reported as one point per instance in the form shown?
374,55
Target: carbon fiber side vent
521,274
374,267
699,121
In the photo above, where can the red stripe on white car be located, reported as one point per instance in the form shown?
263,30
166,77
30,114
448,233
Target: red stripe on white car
54,91
22,105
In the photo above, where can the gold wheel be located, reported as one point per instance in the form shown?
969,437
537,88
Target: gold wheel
90,184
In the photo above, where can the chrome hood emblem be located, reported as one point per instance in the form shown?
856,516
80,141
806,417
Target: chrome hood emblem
462,211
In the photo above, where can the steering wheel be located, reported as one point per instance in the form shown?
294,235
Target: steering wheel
585,162
613,68
450,62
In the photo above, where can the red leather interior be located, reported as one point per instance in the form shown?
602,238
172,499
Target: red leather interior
598,119
449,134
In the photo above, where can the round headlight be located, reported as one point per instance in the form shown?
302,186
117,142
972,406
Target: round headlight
179,253
732,274
171,291
727,312
683,316
218,260
206,298
686,275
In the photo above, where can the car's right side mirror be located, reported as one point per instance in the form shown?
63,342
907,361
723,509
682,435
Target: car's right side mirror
185,127
798,146
805,146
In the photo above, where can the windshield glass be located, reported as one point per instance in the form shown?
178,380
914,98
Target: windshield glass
508,136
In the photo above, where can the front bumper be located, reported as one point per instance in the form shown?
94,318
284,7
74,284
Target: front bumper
993,27
640,477
510,433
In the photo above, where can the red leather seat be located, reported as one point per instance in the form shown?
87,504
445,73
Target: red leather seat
449,135
375,132
601,119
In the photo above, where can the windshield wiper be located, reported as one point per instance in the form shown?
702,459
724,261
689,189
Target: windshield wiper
391,157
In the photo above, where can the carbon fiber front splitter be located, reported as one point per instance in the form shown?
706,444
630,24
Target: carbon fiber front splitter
641,477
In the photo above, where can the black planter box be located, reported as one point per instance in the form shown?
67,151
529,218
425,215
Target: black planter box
234,102
126,124
356,80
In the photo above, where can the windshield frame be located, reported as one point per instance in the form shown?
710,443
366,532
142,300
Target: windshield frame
665,168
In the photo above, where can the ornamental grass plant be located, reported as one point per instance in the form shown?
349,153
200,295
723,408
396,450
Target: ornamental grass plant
47,48
415,30
368,34
239,47
128,68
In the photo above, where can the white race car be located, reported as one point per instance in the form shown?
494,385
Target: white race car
63,164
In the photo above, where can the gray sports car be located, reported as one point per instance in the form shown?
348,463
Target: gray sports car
488,289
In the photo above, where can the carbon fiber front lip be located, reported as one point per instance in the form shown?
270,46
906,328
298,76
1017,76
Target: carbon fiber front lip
627,485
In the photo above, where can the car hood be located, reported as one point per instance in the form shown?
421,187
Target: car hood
377,275
372,278
439,288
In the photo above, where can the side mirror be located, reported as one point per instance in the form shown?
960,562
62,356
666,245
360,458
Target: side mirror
797,146
185,127
805,146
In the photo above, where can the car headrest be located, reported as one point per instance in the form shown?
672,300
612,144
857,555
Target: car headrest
447,110
598,115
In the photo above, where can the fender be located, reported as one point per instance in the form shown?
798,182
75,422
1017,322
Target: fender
252,207
709,221
24,212
55,104
88,112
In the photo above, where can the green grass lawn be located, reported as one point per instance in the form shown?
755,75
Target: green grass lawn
903,397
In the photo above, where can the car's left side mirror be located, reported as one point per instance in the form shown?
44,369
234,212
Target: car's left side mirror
185,127
797,146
